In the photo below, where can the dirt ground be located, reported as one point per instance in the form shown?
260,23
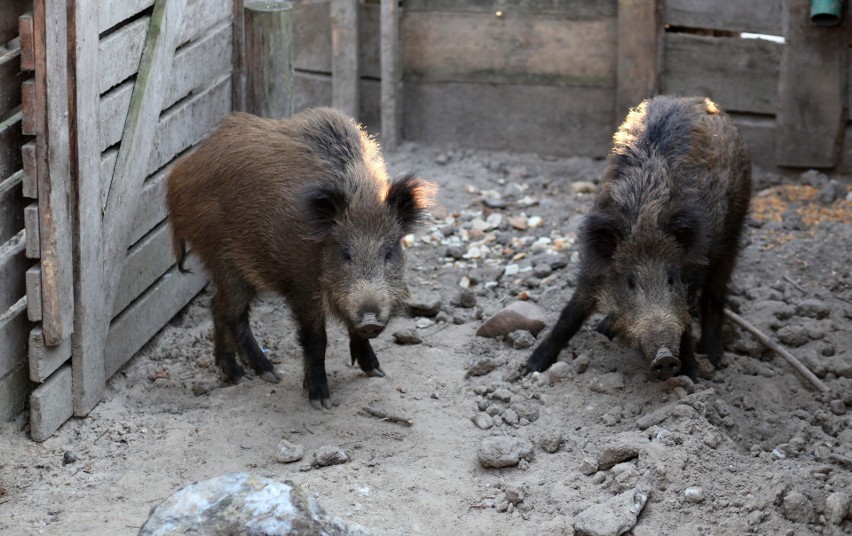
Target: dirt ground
768,454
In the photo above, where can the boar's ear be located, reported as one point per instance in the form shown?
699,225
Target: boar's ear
601,234
686,224
322,203
410,197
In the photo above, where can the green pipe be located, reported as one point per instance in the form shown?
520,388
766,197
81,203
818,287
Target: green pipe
826,12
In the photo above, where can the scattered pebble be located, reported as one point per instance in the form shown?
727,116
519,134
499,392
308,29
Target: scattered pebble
612,517
407,336
502,394
551,441
69,456
581,364
518,315
503,451
289,452
558,372
813,308
837,507
798,507
424,308
510,417
694,494
583,187
608,383
330,455
620,448
794,336
837,407
589,466
520,339
465,298
483,421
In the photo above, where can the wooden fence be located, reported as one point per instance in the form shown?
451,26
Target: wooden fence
97,100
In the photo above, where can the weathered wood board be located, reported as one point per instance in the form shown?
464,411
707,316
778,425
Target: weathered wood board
112,12
25,26
13,265
44,359
10,81
15,387
521,50
312,50
146,261
345,62
13,336
579,9
31,228
32,279
29,182
570,121
638,49
391,82
759,135
731,15
740,74
50,405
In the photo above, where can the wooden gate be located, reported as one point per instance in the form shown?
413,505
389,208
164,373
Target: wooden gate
146,79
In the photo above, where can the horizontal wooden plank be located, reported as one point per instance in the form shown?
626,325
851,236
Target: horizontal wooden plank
312,39
11,210
13,265
152,205
733,15
570,121
740,74
10,81
146,261
580,9
150,312
123,48
310,90
13,336
33,284
32,234
15,388
200,15
112,12
11,140
759,136
51,405
10,10
112,113
522,50
29,183
25,25
44,359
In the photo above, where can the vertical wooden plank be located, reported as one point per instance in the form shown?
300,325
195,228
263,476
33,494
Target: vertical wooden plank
30,181
391,98
30,109
25,28
638,53
50,405
89,282
238,79
810,90
52,156
344,56
32,235
33,281
269,59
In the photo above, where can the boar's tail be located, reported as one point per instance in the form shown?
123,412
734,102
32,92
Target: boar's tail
179,247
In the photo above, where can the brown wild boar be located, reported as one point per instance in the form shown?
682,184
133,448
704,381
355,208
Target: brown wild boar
663,233
302,207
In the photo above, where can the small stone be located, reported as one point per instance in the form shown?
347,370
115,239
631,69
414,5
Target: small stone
813,308
581,364
621,448
612,517
520,339
794,336
502,394
514,495
534,221
454,252
518,222
583,187
510,417
424,307
482,367
588,466
441,159
465,298
483,421
289,452
423,323
69,456
542,270
694,494
608,383
200,389
525,410
599,478
837,507
551,441
518,315
777,454
504,451
407,336
838,407
558,372
330,455
798,507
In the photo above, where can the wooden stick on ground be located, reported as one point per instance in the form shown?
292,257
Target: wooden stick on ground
385,416
777,348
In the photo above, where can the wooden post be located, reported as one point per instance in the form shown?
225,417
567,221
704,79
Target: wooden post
269,59
344,56
810,116
390,58
238,75
638,54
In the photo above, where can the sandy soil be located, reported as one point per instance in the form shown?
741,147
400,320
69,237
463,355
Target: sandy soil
769,454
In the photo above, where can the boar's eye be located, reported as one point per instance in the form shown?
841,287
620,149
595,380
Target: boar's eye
631,281
389,252
672,277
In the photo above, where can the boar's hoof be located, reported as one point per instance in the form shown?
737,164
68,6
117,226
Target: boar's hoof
665,365
325,403
270,376
376,373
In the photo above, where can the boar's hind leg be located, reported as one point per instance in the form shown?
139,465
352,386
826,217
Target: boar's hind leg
225,334
251,350
688,367
313,340
570,321
363,353
712,309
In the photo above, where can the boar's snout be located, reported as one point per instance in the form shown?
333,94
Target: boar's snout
665,365
370,326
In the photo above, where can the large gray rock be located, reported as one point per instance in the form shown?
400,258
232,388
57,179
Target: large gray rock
613,517
518,315
241,503
503,451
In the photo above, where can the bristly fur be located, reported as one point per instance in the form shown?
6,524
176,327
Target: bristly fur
412,197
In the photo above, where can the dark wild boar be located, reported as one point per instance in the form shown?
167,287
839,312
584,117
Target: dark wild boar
302,207
663,234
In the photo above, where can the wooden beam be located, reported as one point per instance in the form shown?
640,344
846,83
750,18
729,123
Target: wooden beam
638,52
13,265
762,17
345,56
810,91
44,359
25,25
391,92
33,243
13,336
238,58
269,59
50,405
30,180
32,279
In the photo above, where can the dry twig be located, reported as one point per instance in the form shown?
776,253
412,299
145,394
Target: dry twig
780,350
385,416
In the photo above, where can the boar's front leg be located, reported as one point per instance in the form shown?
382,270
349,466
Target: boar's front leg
252,351
688,366
313,340
570,321
362,352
